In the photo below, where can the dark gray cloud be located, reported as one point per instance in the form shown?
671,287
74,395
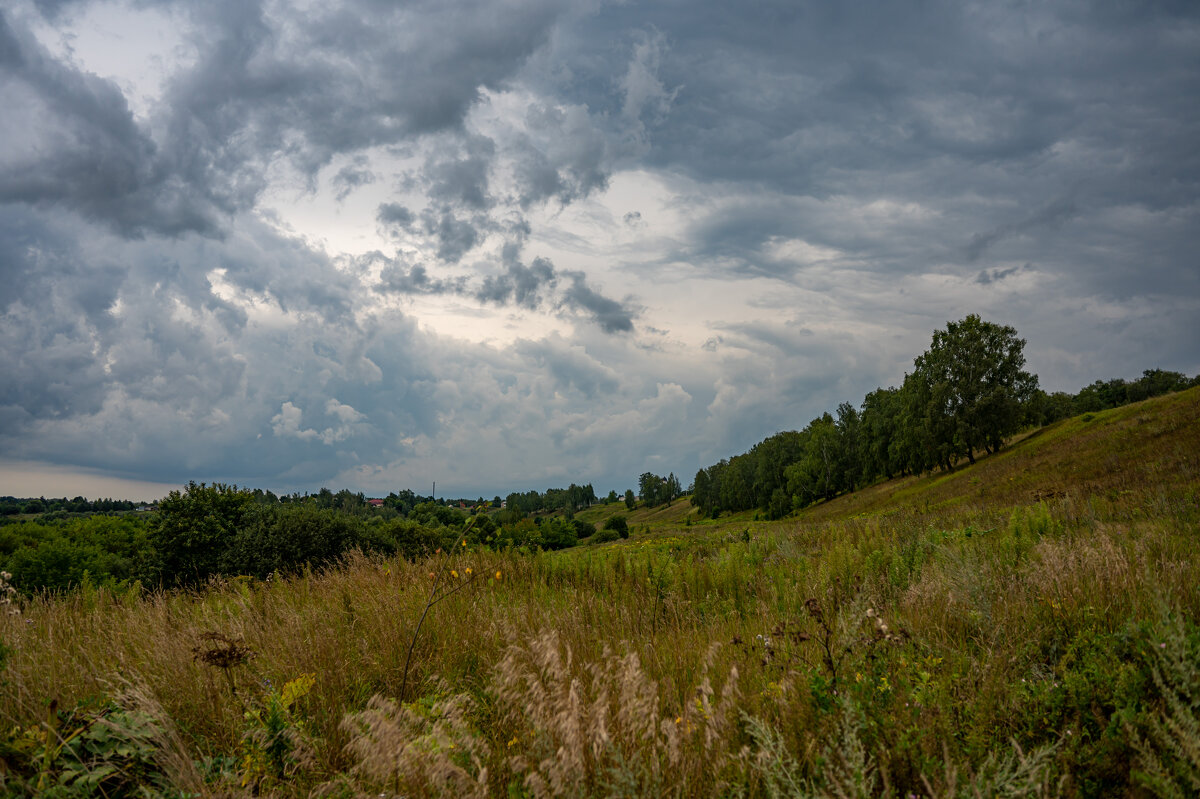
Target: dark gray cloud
1052,216
535,285
355,174
520,284
454,235
462,178
538,285
988,276
310,86
612,316
395,214
71,141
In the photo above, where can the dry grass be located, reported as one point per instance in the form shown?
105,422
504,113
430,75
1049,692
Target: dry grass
685,663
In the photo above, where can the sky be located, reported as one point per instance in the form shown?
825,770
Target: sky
513,244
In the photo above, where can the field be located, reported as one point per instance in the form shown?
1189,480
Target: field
1026,626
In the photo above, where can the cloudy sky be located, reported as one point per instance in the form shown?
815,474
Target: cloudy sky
510,244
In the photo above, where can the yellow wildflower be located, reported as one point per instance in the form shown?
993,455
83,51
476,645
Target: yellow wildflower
454,573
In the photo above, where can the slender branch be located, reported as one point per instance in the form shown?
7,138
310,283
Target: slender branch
429,602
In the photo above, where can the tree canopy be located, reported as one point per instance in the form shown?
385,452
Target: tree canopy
966,393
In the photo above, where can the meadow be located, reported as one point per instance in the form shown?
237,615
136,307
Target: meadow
1026,626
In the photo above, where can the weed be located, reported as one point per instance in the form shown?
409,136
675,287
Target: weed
275,743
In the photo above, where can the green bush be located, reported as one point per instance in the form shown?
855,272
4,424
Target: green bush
287,537
193,528
558,534
617,524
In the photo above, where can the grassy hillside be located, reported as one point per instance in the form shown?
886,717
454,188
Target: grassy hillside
1025,626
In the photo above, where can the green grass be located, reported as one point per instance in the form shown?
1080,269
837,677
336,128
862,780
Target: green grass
1025,626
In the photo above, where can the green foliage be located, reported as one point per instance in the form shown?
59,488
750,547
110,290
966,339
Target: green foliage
657,490
433,514
583,529
558,533
1169,746
194,527
408,538
974,373
965,395
284,538
275,739
92,749
108,550
569,500
617,524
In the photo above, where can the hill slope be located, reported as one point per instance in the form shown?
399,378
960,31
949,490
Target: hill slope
1147,447
1015,628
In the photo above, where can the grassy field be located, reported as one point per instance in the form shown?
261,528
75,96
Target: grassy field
1026,626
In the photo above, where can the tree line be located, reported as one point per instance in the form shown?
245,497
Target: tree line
205,531
965,395
12,506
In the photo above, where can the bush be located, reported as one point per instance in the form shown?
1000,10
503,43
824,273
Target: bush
605,536
407,538
193,529
285,538
558,534
618,525
583,529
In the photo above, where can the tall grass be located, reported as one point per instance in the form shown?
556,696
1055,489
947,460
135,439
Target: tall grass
999,645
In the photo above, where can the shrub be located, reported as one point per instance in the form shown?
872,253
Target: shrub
605,536
558,534
193,529
618,525
285,538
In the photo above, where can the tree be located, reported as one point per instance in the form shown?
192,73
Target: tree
630,499
974,372
192,530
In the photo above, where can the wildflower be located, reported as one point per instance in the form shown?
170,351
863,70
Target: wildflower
454,573
468,571
432,575
464,542
678,719
513,742
497,575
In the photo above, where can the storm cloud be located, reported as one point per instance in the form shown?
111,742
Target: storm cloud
521,243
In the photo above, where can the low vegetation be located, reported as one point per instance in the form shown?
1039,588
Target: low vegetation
1022,627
